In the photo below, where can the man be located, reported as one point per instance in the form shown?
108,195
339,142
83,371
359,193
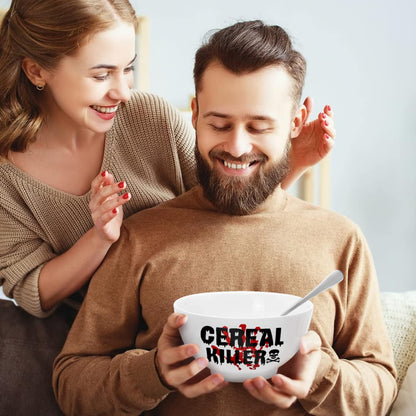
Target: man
237,230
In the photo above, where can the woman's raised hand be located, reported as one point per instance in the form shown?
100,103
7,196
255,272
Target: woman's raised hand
315,140
106,205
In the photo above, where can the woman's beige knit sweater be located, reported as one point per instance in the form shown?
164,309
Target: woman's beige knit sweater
150,146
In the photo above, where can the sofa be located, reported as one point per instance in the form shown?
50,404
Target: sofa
399,310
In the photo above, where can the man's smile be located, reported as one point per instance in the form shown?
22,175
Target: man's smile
238,167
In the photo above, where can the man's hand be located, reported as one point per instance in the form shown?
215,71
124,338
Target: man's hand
176,367
294,379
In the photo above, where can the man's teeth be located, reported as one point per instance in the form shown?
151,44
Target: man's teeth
104,109
236,165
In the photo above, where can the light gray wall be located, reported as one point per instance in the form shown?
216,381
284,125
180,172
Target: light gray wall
362,61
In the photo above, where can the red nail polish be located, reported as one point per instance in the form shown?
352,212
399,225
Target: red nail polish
328,108
115,210
103,173
323,115
126,195
326,123
121,184
326,136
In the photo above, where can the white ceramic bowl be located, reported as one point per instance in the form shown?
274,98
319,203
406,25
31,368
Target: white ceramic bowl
242,333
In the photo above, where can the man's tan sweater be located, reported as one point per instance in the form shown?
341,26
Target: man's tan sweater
150,146
184,246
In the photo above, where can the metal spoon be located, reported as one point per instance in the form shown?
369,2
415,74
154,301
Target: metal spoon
329,281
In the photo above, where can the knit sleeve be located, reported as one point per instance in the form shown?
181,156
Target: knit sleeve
356,373
22,256
100,370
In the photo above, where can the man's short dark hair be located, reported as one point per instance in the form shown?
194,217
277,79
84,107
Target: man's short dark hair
248,46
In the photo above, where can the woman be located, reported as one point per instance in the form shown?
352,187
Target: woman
74,138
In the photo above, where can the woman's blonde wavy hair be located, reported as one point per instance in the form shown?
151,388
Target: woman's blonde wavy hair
45,31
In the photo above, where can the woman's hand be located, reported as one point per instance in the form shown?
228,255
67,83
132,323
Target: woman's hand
106,206
315,140
71,270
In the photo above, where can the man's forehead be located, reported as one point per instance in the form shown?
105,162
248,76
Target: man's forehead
260,94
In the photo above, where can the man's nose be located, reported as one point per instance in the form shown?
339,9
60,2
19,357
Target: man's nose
238,142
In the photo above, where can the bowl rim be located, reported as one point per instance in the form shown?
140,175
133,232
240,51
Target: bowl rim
300,311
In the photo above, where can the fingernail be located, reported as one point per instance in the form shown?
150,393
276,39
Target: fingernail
259,383
191,350
328,108
326,136
278,382
202,363
121,184
326,123
115,210
249,386
323,115
179,318
103,173
217,380
126,195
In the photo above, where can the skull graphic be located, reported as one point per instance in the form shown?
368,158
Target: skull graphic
273,356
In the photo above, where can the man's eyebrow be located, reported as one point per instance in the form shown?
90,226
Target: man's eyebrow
105,66
258,117
215,114
248,116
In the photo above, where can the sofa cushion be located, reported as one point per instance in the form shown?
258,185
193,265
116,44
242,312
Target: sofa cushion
28,346
405,404
399,310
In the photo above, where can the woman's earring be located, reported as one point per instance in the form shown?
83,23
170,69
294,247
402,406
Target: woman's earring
40,87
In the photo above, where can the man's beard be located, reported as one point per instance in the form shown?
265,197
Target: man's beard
240,195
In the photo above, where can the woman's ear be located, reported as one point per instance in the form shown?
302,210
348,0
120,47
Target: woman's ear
299,120
194,107
34,72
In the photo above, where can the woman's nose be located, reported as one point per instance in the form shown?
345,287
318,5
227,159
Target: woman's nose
121,90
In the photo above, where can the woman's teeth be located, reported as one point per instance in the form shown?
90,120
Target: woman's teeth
106,110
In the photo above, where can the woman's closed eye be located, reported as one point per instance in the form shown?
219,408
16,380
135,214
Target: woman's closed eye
102,77
129,69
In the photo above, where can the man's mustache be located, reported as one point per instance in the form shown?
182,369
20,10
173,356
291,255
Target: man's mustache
246,158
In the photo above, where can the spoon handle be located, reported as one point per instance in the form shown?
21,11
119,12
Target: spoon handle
329,281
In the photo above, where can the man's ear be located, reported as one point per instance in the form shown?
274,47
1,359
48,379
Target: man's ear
298,121
194,107
34,72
